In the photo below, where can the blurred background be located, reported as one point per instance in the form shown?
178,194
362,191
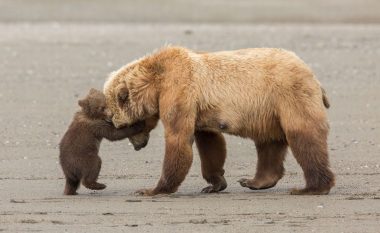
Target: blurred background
53,51
184,11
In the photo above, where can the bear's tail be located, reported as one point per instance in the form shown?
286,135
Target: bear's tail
326,101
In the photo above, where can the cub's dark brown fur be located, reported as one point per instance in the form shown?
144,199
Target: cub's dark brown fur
79,146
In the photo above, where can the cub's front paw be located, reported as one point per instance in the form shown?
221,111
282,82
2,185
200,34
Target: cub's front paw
145,192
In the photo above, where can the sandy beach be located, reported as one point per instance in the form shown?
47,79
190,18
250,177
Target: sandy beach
47,63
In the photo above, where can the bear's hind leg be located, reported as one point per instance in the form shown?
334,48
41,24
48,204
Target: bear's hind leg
270,168
212,151
310,150
91,175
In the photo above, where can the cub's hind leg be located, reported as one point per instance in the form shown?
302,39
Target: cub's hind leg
91,174
270,165
71,186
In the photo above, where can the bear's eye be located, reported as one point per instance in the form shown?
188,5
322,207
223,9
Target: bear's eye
123,97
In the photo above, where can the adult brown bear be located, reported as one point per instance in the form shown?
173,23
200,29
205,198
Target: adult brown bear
268,95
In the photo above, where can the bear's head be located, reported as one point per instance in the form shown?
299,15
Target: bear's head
94,106
132,95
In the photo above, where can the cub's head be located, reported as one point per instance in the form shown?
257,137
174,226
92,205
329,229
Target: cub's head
94,105
132,94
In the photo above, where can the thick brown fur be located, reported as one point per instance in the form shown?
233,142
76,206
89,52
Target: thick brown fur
79,146
212,151
140,140
268,95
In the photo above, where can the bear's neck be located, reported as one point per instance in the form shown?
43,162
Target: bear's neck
166,60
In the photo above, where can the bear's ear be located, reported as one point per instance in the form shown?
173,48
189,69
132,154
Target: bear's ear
83,103
123,94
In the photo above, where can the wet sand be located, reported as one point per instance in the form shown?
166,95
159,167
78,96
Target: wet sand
46,66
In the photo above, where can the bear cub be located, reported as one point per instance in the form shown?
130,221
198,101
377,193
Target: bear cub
79,146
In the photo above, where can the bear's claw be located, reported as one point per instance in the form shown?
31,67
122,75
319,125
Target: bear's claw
218,184
213,189
209,189
252,184
145,192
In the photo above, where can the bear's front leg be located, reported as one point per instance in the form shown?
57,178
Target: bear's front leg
212,151
179,136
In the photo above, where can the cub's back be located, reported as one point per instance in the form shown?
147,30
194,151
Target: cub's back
78,140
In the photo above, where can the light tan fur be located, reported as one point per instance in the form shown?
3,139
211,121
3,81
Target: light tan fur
268,95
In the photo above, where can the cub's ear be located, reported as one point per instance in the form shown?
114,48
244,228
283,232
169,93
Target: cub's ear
83,103
123,94
93,90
